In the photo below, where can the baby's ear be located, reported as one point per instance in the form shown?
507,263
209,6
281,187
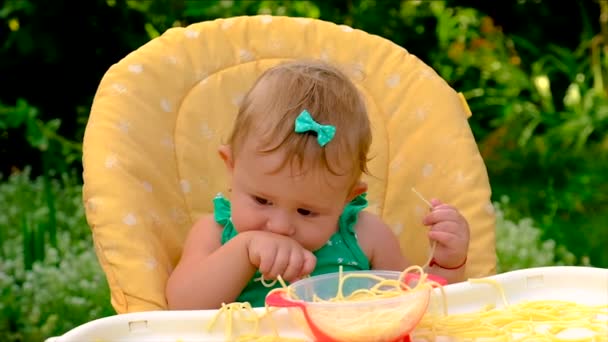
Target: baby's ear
225,153
359,188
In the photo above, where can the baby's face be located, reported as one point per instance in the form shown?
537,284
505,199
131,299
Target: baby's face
305,206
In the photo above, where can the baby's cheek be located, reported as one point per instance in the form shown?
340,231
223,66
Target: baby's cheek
318,237
244,219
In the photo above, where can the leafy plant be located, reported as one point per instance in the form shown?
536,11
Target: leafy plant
62,286
41,135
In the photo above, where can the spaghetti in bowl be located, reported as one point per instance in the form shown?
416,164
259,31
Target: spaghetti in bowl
355,306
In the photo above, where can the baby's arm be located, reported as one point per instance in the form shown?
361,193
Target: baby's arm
208,273
379,243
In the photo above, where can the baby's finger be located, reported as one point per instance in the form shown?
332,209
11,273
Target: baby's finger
435,202
294,267
442,214
267,260
442,237
279,264
310,261
447,227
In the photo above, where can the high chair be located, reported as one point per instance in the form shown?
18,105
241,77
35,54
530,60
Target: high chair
150,158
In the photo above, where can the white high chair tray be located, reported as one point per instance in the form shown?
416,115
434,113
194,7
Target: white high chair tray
584,285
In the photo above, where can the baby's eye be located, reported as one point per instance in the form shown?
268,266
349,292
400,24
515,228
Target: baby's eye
261,200
304,212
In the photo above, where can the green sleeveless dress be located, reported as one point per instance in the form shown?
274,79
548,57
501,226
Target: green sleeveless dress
342,248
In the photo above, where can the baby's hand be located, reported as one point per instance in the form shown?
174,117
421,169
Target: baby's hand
276,255
451,231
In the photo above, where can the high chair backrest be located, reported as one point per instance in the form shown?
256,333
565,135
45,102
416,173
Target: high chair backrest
150,158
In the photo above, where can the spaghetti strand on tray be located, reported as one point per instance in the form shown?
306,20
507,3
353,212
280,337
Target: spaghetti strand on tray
533,320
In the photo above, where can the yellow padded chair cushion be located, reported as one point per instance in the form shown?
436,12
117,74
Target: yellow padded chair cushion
150,149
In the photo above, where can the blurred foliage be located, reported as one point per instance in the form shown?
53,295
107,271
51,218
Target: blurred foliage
59,285
41,135
519,243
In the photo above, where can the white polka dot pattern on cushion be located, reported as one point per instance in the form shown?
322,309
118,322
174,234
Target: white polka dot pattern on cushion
119,88
185,186
246,55
490,208
136,68
227,23
238,99
421,113
393,81
191,34
91,205
346,28
151,263
124,126
266,19
206,132
167,142
420,211
427,170
165,105
130,219
173,60
147,186
111,161
397,228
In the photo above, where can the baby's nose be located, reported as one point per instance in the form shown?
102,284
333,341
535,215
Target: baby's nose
280,224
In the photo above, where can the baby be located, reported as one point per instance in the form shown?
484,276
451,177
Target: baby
295,159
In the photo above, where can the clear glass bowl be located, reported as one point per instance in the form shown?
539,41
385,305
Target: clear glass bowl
382,319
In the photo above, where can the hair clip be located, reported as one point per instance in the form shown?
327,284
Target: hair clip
305,123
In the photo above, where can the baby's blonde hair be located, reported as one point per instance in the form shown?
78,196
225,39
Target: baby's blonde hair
269,111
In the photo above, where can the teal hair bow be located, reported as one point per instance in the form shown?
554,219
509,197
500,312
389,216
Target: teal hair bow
305,123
